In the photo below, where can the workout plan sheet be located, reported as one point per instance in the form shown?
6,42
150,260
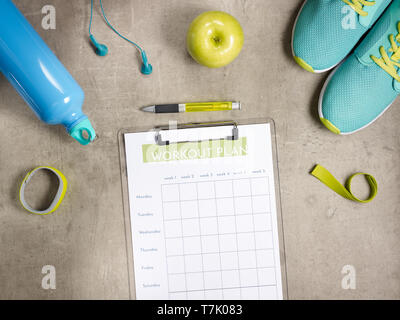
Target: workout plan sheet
203,214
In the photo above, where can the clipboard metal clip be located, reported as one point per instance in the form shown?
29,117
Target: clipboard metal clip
161,142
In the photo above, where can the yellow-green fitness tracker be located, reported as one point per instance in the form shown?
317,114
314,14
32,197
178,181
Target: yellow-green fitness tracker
62,188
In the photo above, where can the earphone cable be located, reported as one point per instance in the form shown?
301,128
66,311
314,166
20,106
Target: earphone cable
112,28
91,17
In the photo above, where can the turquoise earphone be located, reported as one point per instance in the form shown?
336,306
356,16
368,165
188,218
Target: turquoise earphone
102,50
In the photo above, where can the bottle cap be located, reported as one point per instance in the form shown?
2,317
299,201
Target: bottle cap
83,132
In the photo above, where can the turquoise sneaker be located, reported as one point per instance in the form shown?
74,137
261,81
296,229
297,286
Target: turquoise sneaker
360,89
326,31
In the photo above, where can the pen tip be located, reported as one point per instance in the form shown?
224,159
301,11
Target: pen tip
149,109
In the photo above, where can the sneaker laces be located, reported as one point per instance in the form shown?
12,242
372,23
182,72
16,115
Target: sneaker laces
358,5
387,63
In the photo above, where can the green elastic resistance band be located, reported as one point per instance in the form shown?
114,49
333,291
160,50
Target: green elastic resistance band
345,191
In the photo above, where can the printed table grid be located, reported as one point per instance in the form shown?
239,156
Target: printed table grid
219,239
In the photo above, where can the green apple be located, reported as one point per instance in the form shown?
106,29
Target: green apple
214,39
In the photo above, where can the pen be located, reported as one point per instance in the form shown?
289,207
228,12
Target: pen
193,107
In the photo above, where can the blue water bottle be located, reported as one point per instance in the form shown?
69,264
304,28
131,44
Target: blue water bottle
39,77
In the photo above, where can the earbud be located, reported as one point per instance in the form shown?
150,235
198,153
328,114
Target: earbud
101,49
147,68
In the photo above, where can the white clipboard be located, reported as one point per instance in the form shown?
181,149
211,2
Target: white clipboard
170,138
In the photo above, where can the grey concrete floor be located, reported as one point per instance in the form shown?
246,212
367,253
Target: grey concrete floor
85,239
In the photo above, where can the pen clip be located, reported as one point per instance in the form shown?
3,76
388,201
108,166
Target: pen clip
161,142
